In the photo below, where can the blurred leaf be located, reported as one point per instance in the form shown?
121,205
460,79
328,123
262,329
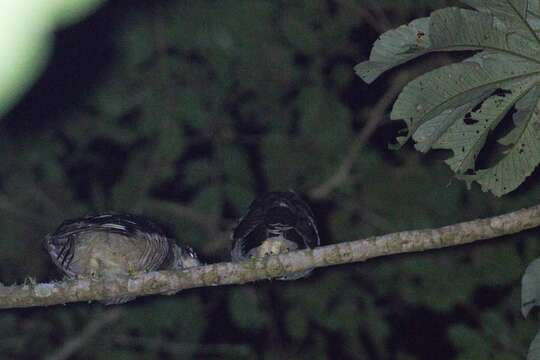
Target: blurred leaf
497,265
191,109
297,323
26,32
239,196
210,200
198,172
299,34
134,39
530,287
472,344
245,310
132,187
534,348
181,314
435,283
67,12
236,166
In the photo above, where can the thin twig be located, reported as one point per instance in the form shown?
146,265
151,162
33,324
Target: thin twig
160,282
74,344
374,117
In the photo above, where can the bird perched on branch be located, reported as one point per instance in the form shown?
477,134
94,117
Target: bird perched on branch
277,222
115,244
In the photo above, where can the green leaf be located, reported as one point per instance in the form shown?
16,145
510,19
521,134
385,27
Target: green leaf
512,13
396,47
437,95
534,348
445,30
522,153
467,137
455,107
530,287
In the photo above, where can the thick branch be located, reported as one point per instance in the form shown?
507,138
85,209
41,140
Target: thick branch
270,267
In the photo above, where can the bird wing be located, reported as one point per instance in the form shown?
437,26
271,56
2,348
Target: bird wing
305,225
75,234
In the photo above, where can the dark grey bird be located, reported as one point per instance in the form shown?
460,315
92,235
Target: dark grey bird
275,223
115,244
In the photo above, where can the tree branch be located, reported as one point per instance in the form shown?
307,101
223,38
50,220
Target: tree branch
161,282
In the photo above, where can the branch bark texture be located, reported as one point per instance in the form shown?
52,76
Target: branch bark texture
169,282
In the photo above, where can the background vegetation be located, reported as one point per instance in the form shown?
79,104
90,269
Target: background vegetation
185,111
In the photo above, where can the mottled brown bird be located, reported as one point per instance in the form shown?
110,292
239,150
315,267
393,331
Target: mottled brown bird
275,223
115,244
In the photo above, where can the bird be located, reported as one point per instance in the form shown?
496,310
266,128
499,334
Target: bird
275,223
112,244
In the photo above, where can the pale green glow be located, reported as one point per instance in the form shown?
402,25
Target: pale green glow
26,39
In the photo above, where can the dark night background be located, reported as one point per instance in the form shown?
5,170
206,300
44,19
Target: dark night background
184,111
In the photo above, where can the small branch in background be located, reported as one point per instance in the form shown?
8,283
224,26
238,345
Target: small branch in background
71,346
374,118
161,282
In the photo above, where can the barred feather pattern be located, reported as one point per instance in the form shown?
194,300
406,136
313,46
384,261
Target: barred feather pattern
112,244
276,222
108,243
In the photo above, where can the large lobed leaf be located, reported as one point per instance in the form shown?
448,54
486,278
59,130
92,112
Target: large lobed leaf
455,107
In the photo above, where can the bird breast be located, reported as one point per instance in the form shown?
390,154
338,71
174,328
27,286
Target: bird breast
102,252
273,246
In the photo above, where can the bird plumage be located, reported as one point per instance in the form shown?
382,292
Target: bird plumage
276,222
115,244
